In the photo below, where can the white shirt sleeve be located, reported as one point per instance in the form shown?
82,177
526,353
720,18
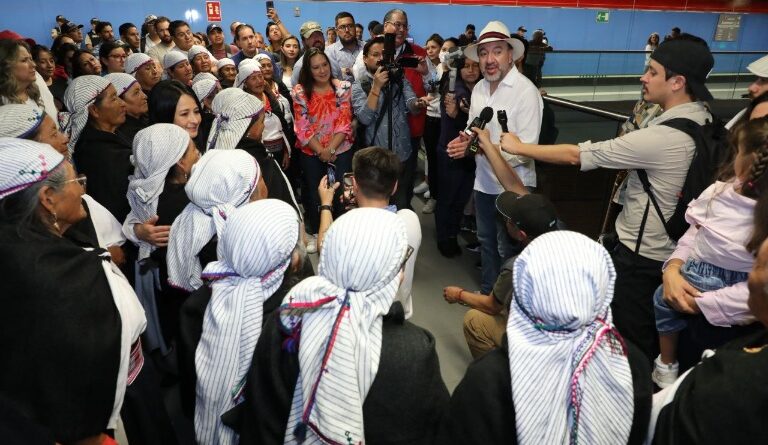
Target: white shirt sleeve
108,229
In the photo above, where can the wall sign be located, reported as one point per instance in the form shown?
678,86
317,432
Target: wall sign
727,29
213,11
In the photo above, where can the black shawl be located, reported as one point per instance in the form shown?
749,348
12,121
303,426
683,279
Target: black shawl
59,333
105,159
132,126
278,186
405,404
722,400
482,411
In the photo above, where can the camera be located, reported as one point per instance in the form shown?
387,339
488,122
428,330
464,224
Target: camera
453,56
392,65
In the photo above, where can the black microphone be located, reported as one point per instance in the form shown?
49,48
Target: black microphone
501,116
485,116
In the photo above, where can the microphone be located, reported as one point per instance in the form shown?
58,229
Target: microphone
501,116
452,80
485,116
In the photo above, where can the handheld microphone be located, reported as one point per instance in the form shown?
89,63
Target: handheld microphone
485,116
501,116
452,80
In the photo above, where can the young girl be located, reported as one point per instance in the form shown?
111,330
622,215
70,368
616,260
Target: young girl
707,273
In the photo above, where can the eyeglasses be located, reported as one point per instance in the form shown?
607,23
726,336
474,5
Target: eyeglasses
408,253
80,179
118,56
398,25
345,27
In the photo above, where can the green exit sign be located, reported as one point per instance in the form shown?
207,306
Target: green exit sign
602,16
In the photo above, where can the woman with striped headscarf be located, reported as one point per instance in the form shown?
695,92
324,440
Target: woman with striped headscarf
164,155
221,181
340,365
100,229
257,247
136,107
566,375
240,124
98,150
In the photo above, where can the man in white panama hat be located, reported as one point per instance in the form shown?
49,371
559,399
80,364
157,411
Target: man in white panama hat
503,87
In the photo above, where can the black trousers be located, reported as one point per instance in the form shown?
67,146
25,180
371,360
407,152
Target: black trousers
431,138
457,177
637,278
404,193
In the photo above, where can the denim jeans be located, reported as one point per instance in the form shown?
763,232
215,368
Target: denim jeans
314,170
704,277
495,245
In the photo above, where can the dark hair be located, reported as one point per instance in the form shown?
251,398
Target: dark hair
753,104
358,25
160,19
372,24
470,26
676,29
100,26
378,29
452,39
269,25
437,39
125,27
37,50
176,24
106,48
754,139
658,38
370,43
74,61
376,171
284,60
164,98
21,208
305,75
240,27
204,38
341,15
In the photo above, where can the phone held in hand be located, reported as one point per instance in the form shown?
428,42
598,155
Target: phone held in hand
270,5
331,175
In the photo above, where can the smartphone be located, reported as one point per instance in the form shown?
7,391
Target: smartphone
331,175
270,5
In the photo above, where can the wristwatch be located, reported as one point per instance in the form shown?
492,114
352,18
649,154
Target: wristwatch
324,207
333,151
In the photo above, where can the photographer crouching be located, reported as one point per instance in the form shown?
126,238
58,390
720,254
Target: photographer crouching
381,89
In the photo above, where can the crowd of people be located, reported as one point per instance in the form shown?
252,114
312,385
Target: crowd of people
213,169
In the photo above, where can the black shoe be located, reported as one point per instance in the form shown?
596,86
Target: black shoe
473,247
446,249
454,245
479,265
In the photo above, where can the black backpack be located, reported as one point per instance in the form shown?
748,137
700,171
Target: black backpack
712,149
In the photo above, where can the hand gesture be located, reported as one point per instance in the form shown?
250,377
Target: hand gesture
272,15
451,108
483,138
380,78
464,105
326,193
149,232
457,148
452,294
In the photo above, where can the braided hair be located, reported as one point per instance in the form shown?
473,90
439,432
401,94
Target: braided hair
753,139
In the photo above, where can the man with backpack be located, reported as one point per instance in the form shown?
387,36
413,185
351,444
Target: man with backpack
660,182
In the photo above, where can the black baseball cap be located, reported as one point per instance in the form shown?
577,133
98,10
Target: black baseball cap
69,26
532,213
522,28
690,57
213,26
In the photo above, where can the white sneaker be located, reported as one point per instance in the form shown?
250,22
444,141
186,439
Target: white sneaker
664,375
311,243
427,195
421,188
429,207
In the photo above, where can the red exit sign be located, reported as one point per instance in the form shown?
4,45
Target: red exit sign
213,11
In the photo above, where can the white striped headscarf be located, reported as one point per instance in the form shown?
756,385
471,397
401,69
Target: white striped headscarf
221,181
244,71
25,163
571,381
338,316
173,58
194,51
203,88
121,81
225,62
80,93
20,120
234,114
259,57
156,149
203,76
255,251
136,61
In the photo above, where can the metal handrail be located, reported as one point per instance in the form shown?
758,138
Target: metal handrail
638,51
612,115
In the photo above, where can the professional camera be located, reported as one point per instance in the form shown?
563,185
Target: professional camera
453,56
390,63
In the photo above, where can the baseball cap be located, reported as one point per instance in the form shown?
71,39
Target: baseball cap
309,28
212,27
532,213
688,56
8,34
522,28
759,67
69,26
150,18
